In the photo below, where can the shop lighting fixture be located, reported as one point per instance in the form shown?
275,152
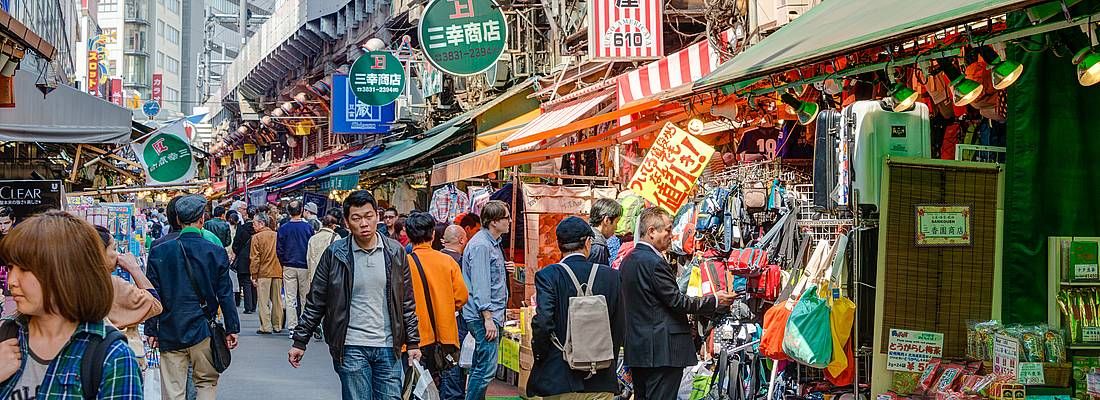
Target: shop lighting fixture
1088,66
8,65
963,90
904,97
805,110
1005,72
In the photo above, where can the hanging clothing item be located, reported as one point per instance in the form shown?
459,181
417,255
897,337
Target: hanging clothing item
950,139
759,141
448,202
479,195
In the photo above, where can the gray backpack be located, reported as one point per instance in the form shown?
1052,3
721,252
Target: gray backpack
588,346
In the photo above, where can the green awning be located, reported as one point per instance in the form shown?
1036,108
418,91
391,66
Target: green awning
838,27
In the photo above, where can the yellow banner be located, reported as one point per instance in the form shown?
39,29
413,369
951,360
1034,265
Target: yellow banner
671,168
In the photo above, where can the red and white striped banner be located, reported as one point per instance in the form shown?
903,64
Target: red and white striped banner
625,29
680,68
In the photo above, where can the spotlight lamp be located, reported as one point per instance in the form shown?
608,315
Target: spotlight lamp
805,110
1005,72
904,97
1088,66
963,90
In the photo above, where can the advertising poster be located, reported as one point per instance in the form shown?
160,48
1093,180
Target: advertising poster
351,116
21,199
668,173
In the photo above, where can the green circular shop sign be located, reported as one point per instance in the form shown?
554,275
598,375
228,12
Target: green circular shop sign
463,37
377,78
167,157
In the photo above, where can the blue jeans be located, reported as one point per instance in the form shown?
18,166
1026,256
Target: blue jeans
485,361
370,373
453,381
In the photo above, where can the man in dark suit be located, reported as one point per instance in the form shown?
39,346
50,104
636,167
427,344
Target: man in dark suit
660,344
551,375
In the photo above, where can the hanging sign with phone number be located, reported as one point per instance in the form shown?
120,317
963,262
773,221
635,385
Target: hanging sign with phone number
463,37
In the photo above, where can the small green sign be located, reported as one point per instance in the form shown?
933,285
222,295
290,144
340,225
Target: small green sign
377,78
463,37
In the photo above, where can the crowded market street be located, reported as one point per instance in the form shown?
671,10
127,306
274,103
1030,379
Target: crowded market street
550,199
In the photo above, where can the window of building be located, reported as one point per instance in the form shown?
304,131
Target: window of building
173,35
112,67
173,5
171,95
160,59
173,65
160,28
107,6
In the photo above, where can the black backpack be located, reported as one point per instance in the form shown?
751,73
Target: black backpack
94,355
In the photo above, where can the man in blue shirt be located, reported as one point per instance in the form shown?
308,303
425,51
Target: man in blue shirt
291,247
485,272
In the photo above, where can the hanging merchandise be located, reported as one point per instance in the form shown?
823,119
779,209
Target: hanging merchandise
808,338
448,202
683,230
876,132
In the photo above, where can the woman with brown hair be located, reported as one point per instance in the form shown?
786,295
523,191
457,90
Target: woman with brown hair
62,292
133,303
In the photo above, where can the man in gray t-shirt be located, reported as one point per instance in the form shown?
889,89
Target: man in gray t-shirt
363,296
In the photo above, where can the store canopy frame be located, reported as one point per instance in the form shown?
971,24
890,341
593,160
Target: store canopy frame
835,28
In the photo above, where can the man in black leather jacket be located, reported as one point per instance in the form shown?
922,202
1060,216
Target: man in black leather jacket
361,282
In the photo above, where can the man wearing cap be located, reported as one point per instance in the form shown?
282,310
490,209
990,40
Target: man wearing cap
311,216
182,332
551,376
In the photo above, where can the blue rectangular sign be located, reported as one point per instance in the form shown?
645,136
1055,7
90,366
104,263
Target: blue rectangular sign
350,116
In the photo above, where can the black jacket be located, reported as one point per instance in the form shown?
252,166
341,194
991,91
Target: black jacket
551,375
242,243
599,253
329,300
220,228
656,312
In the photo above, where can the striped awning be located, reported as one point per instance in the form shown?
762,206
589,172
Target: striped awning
522,140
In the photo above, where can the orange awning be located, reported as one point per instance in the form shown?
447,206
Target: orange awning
500,132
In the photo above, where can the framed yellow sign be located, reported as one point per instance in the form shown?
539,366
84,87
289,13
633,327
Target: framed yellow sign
942,225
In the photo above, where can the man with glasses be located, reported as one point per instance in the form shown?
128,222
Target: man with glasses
485,271
389,218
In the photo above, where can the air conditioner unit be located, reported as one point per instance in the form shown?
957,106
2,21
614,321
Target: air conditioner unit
787,10
500,74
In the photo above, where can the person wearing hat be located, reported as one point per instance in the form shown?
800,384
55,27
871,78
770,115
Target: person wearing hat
551,376
310,214
182,332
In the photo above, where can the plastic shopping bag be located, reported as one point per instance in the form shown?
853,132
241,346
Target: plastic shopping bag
425,387
690,381
808,338
466,356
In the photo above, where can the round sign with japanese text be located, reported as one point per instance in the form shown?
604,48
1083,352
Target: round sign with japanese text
377,78
167,157
463,37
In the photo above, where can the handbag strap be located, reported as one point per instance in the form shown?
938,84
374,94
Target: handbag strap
194,284
427,293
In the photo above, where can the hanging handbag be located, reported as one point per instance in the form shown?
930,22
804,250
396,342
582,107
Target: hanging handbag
808,338
775,327
755,196
766,284
841,317
219,345
437,356
747,261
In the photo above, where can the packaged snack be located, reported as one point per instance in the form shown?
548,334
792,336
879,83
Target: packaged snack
905,383
949,374
1032,344
1055,345
928,377
981,387
967,382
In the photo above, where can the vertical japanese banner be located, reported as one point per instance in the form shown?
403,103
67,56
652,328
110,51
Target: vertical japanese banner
166,156
116,91
668,173
156,90
625,29
93,73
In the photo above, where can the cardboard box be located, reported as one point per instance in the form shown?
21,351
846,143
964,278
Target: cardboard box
526,358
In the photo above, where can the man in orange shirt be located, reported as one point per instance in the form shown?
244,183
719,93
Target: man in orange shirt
446,293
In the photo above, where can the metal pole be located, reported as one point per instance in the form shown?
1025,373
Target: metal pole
242,26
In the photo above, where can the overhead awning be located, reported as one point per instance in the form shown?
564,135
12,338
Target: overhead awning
389,150
336,165
503,131
9,26
524,139
834,28
65,115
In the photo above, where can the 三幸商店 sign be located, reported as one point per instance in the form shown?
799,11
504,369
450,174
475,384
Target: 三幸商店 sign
463,37
377,78
625,29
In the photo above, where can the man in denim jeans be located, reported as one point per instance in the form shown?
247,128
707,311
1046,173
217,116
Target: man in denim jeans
485,272
367,324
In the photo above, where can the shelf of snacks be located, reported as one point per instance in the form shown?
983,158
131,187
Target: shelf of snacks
1073,305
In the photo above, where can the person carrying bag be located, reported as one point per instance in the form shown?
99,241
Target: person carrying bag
219,345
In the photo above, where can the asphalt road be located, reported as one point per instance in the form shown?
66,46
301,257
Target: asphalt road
260,369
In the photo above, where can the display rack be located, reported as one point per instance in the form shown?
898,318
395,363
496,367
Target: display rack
1056,282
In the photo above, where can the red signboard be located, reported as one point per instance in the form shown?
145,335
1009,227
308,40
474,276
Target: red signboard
157,78
625,29
116,91
93,73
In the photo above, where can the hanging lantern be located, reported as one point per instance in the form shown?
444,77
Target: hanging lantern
303,127
238,154
249,148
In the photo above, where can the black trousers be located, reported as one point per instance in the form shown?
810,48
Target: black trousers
661,383
249,292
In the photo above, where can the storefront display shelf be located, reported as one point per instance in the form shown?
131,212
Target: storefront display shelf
1065,283
1084,346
